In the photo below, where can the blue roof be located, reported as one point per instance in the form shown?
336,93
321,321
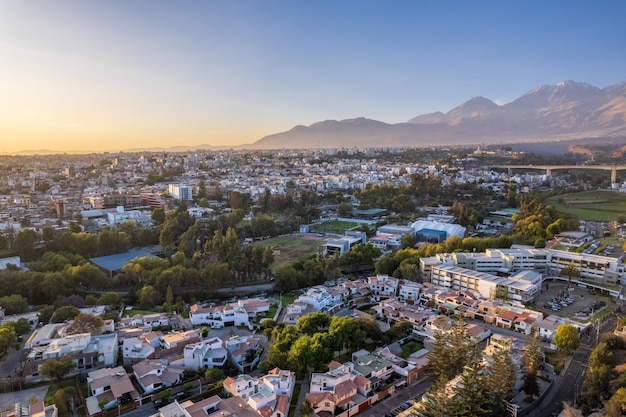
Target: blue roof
114,263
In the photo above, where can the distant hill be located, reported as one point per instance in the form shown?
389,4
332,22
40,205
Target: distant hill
565,111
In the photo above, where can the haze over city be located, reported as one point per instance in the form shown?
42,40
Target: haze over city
95,76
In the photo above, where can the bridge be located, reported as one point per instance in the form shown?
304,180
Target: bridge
550,168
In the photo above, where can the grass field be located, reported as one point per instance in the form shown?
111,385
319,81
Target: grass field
334,226
597,205
288,249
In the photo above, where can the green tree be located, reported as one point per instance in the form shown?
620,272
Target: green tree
567,338
306,408
313,323
570,271
214,374
24,244
22,326
14,304
502,376
110,299
7,337
408,241
158,216
64,313
450,351
148,296
472,395
57,368
437,401
343,209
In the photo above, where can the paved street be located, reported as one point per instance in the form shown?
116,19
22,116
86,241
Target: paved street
412,392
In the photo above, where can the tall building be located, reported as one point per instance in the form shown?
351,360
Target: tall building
181,192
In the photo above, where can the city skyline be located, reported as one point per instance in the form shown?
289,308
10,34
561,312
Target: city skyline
103,76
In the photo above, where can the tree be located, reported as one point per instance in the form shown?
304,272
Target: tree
570,271
64,313
85,323
148,296
24,244
158,216
343,209
7,337
408,241
473,393
616,405
306,408
502,376
57,368
313,323
214,374
449,353
566,338
14,304
22,326
437,402
110,299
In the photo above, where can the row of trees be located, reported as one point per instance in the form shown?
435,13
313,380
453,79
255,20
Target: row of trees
483,387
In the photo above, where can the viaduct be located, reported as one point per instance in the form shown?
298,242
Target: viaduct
550,168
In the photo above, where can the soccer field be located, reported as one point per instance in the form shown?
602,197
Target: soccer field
334,226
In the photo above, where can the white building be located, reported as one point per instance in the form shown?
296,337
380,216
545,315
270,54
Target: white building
180,192
206,354
521,287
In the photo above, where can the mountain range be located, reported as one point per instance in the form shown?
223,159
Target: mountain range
565,111
551,118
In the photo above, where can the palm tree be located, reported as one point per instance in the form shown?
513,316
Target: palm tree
570,271
621,323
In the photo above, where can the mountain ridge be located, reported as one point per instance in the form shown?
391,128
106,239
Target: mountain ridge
567,110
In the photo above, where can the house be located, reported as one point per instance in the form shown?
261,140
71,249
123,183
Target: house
152,375
87,352
242,351
296,310
269,394
383,285
209,353
212,407
143,320
176,341
409,290
109,387
135,350
36,409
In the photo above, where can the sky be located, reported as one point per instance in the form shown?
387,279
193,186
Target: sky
111,75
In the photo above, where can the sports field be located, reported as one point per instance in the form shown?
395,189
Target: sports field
290,248
597,205
333,226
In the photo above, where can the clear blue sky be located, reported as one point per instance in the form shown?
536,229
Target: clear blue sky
103,75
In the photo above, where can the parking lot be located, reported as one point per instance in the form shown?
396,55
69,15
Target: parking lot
578,303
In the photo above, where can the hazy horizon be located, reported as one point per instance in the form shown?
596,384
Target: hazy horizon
105,76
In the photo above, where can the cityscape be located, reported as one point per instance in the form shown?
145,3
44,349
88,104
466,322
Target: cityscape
312,209
178,283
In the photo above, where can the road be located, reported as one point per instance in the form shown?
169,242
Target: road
570,381
413,391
